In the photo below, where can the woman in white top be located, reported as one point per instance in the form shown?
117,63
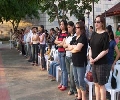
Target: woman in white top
35,40
68,59
42,47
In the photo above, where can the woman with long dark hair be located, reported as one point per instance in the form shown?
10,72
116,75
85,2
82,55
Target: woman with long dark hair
68,58
42,46
78,47
112,47
110,56
61,53
99,45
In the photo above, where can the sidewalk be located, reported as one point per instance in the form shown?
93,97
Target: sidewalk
27,82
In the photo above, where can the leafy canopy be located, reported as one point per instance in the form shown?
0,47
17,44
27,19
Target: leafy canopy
15,10
60,9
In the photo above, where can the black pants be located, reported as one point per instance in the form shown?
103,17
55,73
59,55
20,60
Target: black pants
23,49
35,53
42,52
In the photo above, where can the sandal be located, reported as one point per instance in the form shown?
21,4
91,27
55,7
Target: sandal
33,64
59,86
42,69
78,99
76,95
63,88
70,92
53,79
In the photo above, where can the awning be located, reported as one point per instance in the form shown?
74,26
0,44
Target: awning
115,10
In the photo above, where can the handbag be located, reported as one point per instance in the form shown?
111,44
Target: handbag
89,75
113,82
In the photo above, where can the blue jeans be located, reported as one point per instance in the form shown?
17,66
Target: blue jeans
69,66
52,70
64,74
79,74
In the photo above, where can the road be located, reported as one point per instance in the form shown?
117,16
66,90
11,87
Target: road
19,80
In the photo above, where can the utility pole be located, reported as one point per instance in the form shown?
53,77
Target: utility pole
93,14
88,13
105,18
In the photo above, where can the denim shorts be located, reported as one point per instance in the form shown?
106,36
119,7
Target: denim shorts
79,74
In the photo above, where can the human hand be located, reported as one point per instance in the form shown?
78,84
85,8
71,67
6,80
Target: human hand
112,68
91,61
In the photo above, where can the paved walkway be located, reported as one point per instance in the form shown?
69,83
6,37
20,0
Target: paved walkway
21,81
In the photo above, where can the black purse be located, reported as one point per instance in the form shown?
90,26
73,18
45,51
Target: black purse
113,82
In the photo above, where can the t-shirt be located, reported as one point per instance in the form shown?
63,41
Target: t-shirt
68,39
79,59
29,35
117,33
43,42
99,43
61,36
110,55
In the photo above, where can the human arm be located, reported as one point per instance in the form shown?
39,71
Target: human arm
78,43
62,42
56,41
65,45
100,55
117,56
77,48
90,56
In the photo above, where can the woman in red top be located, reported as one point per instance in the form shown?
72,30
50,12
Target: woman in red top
61,53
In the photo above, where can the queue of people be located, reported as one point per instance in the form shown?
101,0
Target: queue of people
71,43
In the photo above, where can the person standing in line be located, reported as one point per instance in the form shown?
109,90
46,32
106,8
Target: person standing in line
117,33
78,47
68,58
42,47
82,19
90,32
24,41
28,41
27,30
35,40
110,56
99,45
61,53
112,47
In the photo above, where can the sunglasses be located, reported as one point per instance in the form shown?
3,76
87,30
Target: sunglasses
97,21
77,27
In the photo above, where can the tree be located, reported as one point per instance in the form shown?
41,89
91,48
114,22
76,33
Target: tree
61,8
15,10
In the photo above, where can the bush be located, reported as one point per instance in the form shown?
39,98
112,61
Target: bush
5,39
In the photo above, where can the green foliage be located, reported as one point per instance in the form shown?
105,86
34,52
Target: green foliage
60,8
5,39
15,10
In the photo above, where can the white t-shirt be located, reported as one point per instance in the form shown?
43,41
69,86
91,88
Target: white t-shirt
68,40
29,36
